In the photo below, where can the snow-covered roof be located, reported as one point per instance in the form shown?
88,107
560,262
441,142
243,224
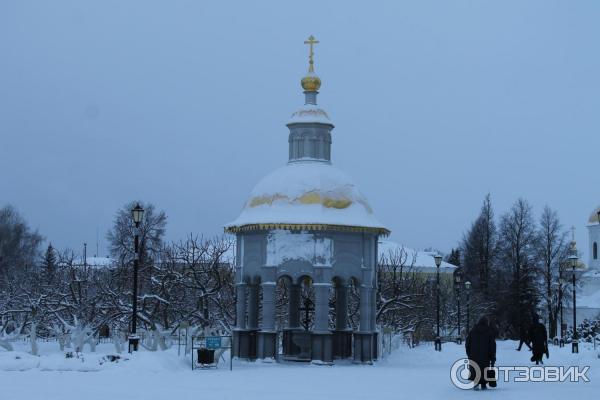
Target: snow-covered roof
307,193
98,262
310,113
423,260
92,262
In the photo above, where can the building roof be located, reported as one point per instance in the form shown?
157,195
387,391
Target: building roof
306,195
92,262
310,113
419,260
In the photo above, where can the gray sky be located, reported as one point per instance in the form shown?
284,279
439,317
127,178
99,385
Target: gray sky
184,104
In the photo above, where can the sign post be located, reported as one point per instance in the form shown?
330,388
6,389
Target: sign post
213,343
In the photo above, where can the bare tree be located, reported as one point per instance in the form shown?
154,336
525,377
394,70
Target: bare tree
518,242
19,245
552,247
151,233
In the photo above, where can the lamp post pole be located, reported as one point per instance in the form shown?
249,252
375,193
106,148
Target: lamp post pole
458,314
575,346
561,283
438,339
137,215
573,259
457,281
468,289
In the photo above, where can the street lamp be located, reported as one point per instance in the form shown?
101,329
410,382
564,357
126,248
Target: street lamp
438,340
137,214
468,288
561,284
573,259
457,281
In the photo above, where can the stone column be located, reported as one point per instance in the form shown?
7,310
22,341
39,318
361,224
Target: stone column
321,307
253,307
267,337
342,336
321,338
365,309
240,306
341,307
294,306
364,339
268,306
240,337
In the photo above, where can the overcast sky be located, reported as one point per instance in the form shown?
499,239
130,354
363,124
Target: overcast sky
184,104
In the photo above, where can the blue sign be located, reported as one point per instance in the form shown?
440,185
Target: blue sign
213,342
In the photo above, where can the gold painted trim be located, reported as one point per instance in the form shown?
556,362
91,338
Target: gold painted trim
304,227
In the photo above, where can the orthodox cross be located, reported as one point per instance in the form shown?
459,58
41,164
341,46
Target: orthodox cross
307,309
311,41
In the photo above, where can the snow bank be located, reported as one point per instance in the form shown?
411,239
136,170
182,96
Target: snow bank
420,373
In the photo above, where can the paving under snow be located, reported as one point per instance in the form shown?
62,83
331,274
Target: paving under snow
418,373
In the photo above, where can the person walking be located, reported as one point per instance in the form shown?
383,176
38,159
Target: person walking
481,349
539,340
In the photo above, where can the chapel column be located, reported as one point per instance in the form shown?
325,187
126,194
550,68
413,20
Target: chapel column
321,323
240,336
364,339
253,306
267,337
342,336
321,338
240,306
365,309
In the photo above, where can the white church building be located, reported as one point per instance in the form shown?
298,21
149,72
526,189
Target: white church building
588,293
588,277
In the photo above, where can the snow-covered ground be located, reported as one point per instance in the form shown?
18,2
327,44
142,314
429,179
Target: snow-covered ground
419,373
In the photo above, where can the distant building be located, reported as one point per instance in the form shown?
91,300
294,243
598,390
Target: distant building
588,295
418,261
588,277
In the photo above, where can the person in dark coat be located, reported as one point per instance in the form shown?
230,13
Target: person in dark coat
523,337
539,340
481,348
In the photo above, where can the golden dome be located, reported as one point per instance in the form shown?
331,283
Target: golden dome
311,83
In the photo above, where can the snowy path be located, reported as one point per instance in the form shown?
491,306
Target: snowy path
419,373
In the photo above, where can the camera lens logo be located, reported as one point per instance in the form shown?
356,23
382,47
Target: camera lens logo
462,370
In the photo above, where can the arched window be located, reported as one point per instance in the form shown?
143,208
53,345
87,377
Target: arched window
595,250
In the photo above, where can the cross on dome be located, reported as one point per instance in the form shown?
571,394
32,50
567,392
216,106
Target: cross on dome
311,82
311,41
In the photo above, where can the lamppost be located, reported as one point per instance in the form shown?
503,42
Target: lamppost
457,281
561,284
468,289
438,340
573,259
137,214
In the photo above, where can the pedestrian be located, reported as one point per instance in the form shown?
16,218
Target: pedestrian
481,349
523,336
539,340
